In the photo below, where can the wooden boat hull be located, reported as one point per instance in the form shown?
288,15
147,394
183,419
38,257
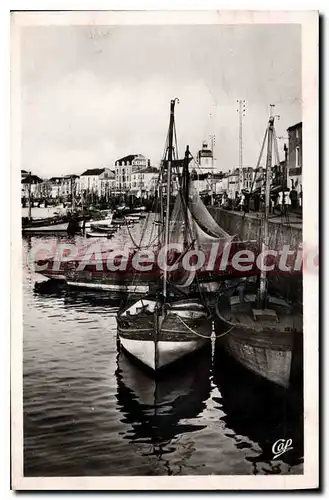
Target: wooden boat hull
263,353
60,227
99,234
109,287
101,222
176,337
269,350
166,352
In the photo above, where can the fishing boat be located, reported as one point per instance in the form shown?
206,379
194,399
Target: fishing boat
103,228
103,219
259,329
169,324
97,233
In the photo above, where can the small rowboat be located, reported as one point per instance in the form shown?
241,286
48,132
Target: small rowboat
99,234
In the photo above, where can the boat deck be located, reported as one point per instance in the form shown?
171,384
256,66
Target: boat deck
277,316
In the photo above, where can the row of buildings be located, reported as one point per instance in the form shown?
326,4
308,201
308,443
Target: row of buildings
133,174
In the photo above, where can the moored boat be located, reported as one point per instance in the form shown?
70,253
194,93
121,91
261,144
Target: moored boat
260,330
162,328
157,336
57,224
99,234
263,340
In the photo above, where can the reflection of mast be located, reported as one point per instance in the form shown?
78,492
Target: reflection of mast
242,112
158,411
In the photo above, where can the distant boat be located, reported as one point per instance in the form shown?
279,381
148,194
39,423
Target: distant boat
103,228
57,224
105,220
99,234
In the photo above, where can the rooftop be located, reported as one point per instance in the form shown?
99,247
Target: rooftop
297,125
33,179
128,158
93,171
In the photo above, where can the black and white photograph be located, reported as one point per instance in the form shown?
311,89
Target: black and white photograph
165,244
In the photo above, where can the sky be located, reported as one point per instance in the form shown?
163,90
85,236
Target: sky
91,95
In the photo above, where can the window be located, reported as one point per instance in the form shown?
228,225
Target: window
298,162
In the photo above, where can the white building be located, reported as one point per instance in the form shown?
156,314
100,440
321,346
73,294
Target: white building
30,183
295,157
206,158
124,167
96,180
144,181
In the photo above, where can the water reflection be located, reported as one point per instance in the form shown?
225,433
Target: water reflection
159,411
88,410
256,411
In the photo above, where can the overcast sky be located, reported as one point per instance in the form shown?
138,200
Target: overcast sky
93,95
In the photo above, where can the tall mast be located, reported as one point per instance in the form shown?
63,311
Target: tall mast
242,112
29,198
265,242
167,217
185,191
72,194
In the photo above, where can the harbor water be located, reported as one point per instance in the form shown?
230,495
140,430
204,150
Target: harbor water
89,411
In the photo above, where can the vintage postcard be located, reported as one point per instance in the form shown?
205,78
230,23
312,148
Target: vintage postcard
164,187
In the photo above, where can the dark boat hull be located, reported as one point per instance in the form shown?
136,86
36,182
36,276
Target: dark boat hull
261,352
269,349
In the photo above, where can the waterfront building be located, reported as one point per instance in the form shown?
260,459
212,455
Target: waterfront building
68,183
295,157
55,184
143,181
233,183
124,167
206,158
26,181
96,181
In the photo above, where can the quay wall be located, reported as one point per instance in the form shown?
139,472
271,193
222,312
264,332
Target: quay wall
248,227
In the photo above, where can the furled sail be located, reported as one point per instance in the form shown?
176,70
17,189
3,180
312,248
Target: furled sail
193,227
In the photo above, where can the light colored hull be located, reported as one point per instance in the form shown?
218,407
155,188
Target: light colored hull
47,229
101,222
142,289
160,354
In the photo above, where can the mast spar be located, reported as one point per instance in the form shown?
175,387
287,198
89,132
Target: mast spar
170,158
265,242
29,197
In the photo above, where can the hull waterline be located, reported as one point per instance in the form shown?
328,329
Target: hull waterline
268,348
158,340
157,355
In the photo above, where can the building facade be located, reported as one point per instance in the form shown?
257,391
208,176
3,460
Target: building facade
30,185
206,158
144,181
295,157
96,181
124,167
